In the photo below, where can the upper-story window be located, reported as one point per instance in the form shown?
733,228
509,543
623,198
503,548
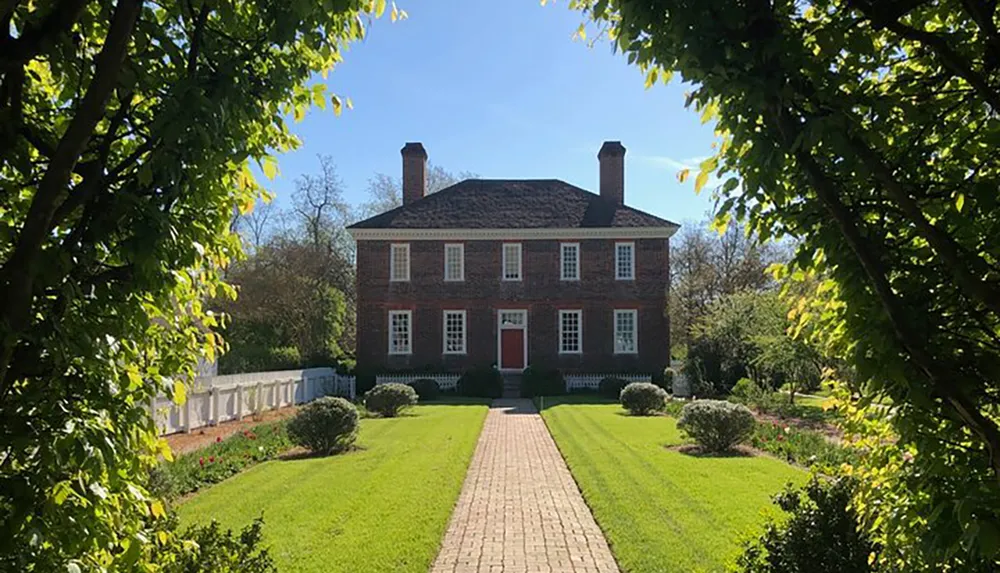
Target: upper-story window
454,262
399,262
625,328
569,261
400,332
511,261
625,261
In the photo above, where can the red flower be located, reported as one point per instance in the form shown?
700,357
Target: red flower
218,439
211,459
201,461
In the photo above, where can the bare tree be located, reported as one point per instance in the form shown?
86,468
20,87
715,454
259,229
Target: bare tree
318,205
258,226
386,192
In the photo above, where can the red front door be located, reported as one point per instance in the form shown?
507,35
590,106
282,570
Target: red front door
512,348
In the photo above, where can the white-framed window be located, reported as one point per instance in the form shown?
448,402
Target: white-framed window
570,331
625,261
626,327
569,261
400,332
454,262
454,332
511,261
399,262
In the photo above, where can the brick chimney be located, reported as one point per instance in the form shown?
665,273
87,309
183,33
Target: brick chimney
414,172
612,160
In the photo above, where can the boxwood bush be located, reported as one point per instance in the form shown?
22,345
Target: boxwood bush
611,387
643,398
717,425
481,382
539,381
426,389
389,400
821,534
325,426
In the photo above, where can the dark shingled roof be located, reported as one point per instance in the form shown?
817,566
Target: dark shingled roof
511,204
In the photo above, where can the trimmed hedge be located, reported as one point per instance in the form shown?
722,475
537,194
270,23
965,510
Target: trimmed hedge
643,398
611,387
542,382
717,425
389,400
481,382
325,426
426,388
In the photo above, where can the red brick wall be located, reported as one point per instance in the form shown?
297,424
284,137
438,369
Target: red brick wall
540,291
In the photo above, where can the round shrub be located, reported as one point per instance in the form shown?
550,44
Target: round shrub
388,400
643,398
717,425
611,387
325,426
426,389
538,381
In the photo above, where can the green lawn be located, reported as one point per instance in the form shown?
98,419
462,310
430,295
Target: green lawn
384,508
662,510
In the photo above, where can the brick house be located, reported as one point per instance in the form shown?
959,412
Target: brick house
512,273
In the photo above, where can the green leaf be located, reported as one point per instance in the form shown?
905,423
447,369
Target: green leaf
156,508
700,181
683,174
61,491
180,392
379,8
960,202
270,167
337,105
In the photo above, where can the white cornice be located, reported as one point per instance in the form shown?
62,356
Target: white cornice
512,234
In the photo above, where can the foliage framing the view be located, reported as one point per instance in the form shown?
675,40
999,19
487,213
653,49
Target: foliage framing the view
126,135
868,131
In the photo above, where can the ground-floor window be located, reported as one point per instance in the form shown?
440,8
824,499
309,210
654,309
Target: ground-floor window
400,332
454,332
625,327
570,331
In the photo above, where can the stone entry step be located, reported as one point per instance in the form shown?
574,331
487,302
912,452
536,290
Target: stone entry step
512,385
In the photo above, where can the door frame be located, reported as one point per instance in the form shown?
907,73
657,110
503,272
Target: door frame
523,326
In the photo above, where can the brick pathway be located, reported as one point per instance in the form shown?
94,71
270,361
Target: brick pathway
520,510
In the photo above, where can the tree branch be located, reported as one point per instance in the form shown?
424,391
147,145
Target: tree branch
196,36
33,39
950,59
18,274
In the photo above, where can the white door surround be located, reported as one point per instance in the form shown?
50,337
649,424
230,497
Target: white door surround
512,319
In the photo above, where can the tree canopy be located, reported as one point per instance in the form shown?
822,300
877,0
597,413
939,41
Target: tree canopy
127,131
868,131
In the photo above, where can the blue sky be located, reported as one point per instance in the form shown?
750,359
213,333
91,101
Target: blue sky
505,93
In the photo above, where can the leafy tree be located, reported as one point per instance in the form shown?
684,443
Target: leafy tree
706,265
868,131
126,135
386,192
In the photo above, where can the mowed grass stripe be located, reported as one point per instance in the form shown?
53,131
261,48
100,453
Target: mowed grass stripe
661,510
383,508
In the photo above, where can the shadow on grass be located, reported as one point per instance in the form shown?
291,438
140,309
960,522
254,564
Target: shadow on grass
579,398
299,453
696,451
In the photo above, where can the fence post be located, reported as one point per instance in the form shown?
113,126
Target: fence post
353,381
187,416
259,406
239,401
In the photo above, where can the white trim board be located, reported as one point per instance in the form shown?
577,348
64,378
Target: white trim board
624,233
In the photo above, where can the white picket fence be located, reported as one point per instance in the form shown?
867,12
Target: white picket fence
217,399
445,381
593,381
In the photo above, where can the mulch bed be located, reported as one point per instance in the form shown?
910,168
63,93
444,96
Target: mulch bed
696,451
182,443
